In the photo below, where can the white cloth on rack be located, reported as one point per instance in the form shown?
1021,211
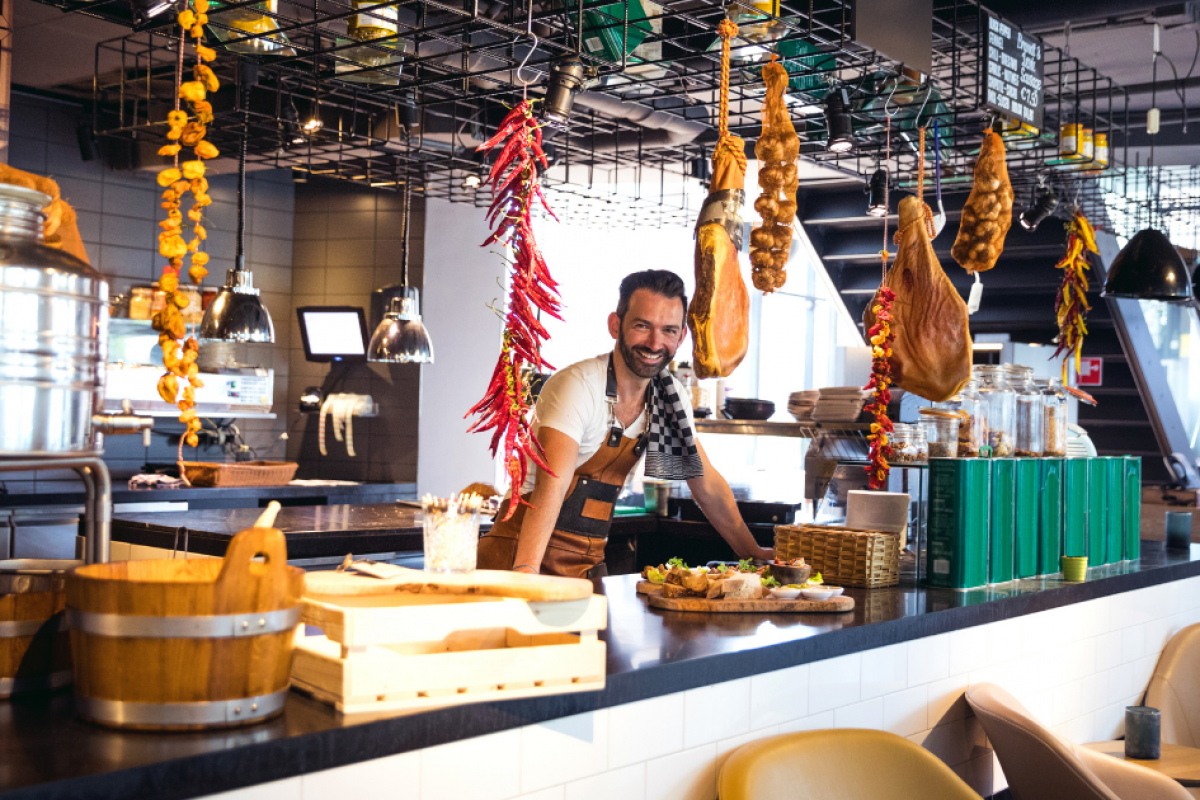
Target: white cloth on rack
343,407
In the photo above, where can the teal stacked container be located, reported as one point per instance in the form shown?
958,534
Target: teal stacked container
1133,508
1097,515
1003,514
1114,516
1027,479
958,522
1075,507
1050,516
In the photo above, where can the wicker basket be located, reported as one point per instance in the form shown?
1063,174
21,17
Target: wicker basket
244,473
844,557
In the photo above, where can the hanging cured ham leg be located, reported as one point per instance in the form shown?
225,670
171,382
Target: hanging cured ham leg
719,316
931,356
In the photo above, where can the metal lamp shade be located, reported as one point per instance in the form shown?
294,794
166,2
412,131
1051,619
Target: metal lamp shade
237,313
401,338
1149,268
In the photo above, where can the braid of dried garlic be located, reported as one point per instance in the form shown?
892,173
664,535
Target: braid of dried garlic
179,357
776,150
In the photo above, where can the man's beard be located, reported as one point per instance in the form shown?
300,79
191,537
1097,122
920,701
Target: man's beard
636,365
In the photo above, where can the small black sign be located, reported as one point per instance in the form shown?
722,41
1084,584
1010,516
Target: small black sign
1013,71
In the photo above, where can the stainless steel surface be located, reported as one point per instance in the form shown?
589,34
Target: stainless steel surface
122,712
121,424
222,626
53,333
237,313
798,430
98,487
37,566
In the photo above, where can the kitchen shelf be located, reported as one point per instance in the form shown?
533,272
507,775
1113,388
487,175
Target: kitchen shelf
795,430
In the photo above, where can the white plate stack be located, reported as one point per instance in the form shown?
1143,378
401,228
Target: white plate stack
839,404
801,404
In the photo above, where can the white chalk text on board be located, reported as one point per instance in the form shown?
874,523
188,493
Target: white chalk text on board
1014,68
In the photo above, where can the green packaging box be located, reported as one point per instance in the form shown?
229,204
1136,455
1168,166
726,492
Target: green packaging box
1025,517
1097,512
1003,514
1114,515
1075,506
958,522
1050,516
1133,508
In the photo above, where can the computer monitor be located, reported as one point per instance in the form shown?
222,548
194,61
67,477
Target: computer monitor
333,333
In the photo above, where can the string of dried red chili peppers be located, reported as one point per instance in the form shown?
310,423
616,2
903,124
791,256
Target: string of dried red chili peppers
505,407
179,357
881,338
1071,305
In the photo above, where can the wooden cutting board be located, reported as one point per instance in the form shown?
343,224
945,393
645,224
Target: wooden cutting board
653,593
483,582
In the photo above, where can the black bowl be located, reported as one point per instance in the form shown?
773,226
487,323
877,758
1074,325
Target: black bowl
741,408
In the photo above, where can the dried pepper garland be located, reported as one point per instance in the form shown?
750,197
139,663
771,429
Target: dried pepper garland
505,407
881,337
179,357
1071,305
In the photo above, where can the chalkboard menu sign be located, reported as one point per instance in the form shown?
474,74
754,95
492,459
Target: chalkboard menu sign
1013,71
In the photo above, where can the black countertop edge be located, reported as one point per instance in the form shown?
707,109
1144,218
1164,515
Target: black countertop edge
124,495
303,753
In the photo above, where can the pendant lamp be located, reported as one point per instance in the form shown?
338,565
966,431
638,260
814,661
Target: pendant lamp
237,313
401,338
1149,268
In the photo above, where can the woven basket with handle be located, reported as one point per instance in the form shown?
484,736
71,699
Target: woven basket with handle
244,473
844,557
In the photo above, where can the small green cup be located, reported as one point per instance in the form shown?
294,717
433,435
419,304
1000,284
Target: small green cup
1074,568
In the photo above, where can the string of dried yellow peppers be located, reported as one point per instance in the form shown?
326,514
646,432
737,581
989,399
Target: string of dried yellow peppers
179,355
1071,305
505,407
881,338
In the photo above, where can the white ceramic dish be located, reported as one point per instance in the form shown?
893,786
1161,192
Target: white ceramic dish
823,593
783,593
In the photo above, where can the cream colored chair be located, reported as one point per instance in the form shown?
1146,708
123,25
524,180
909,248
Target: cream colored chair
1042,766
1175,688
842,764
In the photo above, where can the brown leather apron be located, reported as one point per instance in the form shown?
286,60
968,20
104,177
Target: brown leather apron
576,547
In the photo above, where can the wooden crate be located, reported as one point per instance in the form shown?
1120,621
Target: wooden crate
415,652
844,557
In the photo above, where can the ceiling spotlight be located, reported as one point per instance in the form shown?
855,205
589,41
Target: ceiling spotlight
471,181
567,77
313,125
1041,208
1149,268
837,120
877,205
146,10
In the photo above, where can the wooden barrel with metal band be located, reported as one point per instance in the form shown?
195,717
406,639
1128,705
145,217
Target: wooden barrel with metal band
35,647
186,644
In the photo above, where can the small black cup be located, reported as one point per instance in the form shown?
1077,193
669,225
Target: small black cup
1143,732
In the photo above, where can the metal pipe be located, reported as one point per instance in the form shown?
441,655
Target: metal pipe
101,510
89,518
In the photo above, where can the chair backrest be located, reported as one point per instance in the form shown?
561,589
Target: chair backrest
1175,688
847,764
1037,764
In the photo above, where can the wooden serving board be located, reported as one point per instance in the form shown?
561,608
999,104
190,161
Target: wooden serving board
767,606
482,582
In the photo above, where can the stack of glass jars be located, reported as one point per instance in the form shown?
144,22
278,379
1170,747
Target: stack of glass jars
1029,412
941,432
971,408
1001,408
908,444
1054,429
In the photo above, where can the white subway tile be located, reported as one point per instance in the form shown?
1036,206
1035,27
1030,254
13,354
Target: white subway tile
906,712
1080,659
947,700
779,696
968,649
1051,667
725,747
928,659
689,775
977,773
627,783
1040,706
1067,703
884,670
1109,722
1039,631
716,712
953,743
1071,623
1133,643
1081,730
1097,618
868,714
1120,683
1143,670
1108,651
1158,633
834,682
553,793
814,722
645,729
1132,608
563,750
1003,641
483,768
286,789
368,780
1095,692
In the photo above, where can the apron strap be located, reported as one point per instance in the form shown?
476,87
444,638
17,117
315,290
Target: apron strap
615,429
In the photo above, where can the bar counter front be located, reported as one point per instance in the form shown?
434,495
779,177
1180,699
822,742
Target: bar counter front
683,690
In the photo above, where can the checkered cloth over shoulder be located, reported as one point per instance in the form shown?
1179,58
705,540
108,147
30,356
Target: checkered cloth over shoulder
671,452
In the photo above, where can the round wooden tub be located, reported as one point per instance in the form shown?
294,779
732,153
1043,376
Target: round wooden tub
186,644
35,647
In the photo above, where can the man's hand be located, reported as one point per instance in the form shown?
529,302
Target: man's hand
715,498
549,490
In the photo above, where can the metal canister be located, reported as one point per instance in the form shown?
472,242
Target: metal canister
959,492
1003,512
1068,141
1101,150
1114,516
1027,477
1075,507
53,336
1050,516
1133,508
1097,512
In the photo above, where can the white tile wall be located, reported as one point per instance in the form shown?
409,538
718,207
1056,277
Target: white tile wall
1076,668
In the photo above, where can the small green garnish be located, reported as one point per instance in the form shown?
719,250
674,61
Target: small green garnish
746,565
722,568
815,580
769,582
677,562
654,576
793,586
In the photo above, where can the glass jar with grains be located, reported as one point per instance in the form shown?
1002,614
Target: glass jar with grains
1001,408
972,409
908,444
1054,414
941,431
1029,422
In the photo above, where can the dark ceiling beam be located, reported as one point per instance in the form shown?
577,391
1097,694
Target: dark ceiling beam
1050,16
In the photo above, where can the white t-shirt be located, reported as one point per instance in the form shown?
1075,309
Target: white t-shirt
572,402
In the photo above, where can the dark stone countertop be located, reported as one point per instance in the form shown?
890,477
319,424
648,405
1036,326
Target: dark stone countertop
222,497
46,753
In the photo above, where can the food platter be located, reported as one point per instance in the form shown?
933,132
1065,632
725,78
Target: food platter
767,605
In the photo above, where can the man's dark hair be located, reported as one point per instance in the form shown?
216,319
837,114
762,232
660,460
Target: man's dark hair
660,281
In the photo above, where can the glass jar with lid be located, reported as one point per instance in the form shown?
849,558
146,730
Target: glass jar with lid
972,409
1054,415
1029,417
141,298
908,444
1001,408
941,431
